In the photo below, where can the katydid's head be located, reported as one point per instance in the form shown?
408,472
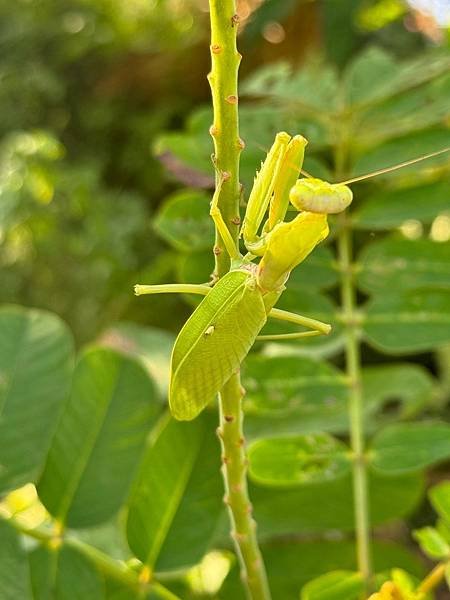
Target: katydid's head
317,196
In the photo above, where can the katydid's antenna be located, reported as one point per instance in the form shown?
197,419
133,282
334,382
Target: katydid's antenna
394,168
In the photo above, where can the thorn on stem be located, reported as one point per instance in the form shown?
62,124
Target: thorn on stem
216,49
241,144
232,99
228,418
235,20
214,131
236,220
225,176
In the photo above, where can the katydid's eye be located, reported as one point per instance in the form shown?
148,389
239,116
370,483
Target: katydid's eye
317,196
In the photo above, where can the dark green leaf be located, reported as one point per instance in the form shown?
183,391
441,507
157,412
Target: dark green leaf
414,321
291,565
407,447
408,387
292,394
177,500
14,572
406,148
299,460
317,271
100,439
35,370
330,505
388,209
64,574
183,220
375,65
335,585
403,264
150,345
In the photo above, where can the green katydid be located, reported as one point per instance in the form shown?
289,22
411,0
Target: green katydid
220,332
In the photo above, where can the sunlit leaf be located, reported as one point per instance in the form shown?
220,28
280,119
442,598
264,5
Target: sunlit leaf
440,499
432,543
335,585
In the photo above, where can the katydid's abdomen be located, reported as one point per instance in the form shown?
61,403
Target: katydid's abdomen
214,341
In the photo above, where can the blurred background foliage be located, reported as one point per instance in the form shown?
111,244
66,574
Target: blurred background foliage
105,180
88,87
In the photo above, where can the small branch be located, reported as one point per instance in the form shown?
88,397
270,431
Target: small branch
234,468
433,579
114,569
353,368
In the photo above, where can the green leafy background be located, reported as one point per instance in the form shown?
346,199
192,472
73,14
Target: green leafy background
105,180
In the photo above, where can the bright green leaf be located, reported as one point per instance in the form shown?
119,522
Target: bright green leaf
299,460
440,499
335,585
398,264
35,370
183,220
177,500
432,543
414,321
100,439
407,447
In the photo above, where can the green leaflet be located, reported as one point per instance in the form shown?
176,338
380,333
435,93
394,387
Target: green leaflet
213,343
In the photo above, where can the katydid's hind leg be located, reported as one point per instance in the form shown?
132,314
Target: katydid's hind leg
316,327
220,224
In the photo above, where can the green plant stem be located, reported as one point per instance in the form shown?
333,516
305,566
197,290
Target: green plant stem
114,569
353,368
223,78
234,468
353,365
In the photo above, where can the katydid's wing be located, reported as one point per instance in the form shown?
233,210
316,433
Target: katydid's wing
213,343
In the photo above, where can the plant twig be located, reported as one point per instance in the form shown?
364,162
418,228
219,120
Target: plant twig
114,569
433,579
223,79
353,367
